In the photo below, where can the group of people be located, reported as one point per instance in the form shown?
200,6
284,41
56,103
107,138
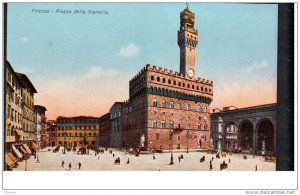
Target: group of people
70,165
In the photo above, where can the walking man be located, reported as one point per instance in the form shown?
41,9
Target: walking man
70,166
62,163
179,159
128,161
256,167
79,165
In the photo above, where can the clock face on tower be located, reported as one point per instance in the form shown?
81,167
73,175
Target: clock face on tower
190,73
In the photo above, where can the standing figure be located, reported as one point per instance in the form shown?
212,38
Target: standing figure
128,161
79,165
256,167
62,163
70,166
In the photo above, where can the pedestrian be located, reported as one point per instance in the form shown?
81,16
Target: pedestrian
256,167
79,165
212,158
229,160
70,166
128,161
153,157
179,159
98,157
113,155
95,153
62,163
210,167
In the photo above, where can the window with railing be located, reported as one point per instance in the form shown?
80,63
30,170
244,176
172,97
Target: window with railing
154,124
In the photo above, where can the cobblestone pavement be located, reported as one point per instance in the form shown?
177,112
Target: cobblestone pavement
50,161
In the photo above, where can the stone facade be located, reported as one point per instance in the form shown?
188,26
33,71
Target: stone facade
13,108
40,125
104,129
77,131
28,92
115,125
250,129
167,109
51,126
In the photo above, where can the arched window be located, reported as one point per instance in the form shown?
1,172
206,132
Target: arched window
205,89
205,127
164,80
199,108
198,127
154,124
154,103
171,125
179,84
193,87
158,79
163,124
201,88
204,109
188,85
183,84
152,78
163,104
179,106
172,105
188,106
169,81
174,82
197,88
188,126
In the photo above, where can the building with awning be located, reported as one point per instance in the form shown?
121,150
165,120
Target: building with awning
12,157
17,152
33,146
8,161
27,148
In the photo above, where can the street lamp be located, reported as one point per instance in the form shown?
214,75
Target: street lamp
37,153
171,134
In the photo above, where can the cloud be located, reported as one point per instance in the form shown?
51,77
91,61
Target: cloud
257,66
128,51
90,93
96,72
24,39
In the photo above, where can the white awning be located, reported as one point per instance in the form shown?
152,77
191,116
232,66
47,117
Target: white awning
18,153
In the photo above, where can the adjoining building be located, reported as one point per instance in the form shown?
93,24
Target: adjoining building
168,109
13,115
28,92
250,129
40,126
77,131
115,125
104,130
50,133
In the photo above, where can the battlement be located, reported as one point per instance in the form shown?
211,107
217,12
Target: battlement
167,72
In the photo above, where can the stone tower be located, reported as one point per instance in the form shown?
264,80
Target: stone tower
187,41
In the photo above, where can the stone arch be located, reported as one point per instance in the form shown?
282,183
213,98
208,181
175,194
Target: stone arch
265,130
246,135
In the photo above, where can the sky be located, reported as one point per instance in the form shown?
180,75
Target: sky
81,64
